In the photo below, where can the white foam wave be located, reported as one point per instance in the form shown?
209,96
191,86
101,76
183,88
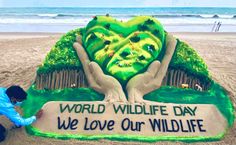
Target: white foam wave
217,16
43,21
85,20
227,16
207,16
47,15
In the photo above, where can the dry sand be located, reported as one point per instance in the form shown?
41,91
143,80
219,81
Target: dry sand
21,53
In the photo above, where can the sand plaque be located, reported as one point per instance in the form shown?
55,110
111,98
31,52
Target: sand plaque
154,119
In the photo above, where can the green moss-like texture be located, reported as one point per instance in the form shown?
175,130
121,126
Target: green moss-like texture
127,138
187,59
216,95
63,55
123,49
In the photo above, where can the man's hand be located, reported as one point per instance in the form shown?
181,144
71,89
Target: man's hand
15,127
97,80
39,114
150,80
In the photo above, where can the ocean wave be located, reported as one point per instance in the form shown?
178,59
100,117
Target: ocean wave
47,15
65,15
197,16
61,15
85,20
155,15
219,16
92,15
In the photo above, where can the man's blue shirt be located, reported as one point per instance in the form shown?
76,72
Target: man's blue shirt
7,109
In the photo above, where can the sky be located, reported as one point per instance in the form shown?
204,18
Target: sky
117,3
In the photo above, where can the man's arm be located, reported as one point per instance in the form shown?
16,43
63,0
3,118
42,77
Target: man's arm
15,117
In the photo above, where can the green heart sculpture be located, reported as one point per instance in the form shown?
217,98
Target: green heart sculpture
123,49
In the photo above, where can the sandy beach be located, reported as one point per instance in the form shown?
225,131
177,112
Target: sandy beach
22,53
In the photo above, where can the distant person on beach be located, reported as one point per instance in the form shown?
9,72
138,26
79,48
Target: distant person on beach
9,98
213,28
218,26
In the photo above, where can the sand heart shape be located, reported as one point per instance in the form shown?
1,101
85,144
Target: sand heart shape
123,49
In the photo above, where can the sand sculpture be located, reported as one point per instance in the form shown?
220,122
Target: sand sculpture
136,63
62,64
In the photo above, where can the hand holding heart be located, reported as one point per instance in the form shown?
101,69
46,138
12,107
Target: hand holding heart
97,80
144,83
137,86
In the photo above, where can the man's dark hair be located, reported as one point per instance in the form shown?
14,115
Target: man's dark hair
16,92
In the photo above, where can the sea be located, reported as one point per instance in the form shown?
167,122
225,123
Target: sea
63,19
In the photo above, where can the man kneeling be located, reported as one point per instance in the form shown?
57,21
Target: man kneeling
10,97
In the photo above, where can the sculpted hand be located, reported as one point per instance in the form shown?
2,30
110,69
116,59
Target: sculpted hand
97,80
150,80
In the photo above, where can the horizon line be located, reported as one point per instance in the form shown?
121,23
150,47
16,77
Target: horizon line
121,7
